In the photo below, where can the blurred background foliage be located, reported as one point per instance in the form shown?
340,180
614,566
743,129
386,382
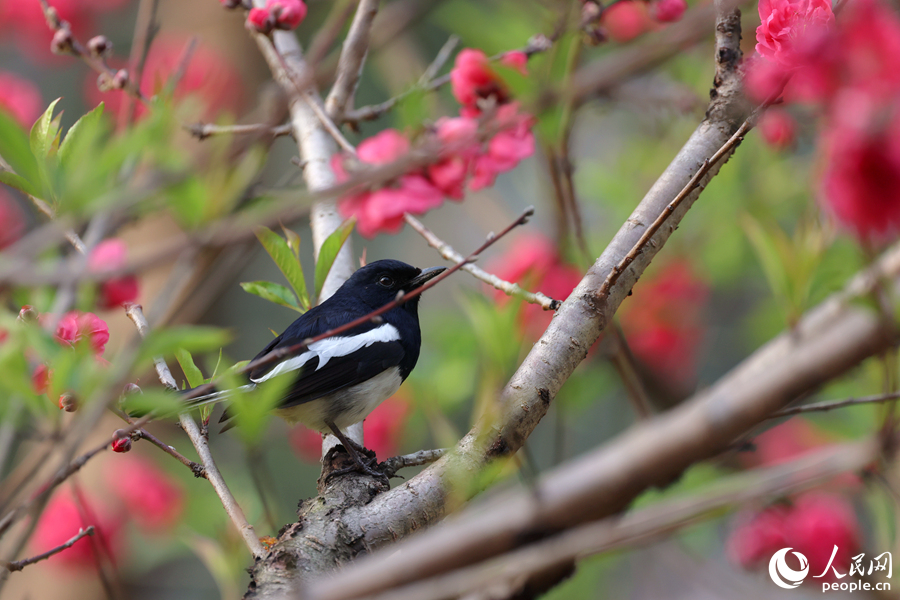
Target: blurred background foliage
752,255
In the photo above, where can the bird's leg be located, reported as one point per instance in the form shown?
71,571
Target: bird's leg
353,449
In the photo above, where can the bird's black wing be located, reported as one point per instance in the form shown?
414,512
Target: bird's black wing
333,363
341,372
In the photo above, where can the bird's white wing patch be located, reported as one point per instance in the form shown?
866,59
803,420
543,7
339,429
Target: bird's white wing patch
333,347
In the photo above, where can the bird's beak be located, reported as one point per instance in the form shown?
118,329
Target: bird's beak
425,276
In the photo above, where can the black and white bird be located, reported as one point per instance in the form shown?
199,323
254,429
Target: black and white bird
341,379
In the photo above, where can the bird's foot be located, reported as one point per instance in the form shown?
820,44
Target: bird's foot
365,464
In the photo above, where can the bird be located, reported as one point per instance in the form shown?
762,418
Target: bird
339,380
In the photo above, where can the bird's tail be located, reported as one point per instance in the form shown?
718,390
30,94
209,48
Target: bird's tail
215,397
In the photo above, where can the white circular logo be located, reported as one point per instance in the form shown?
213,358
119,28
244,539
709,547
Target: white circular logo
782,574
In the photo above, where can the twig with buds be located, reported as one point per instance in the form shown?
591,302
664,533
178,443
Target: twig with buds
508,288
21,564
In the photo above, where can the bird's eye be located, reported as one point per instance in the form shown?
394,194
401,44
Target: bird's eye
385,281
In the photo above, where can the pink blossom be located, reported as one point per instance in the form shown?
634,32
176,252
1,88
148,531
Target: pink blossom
473,79
757,536
109,255
288,13
458,135
20,98
504,151
381,210
813,525
861,181
61,520
626,20
151,496
75,326
663,321
534,262
667,11
778,128
12,220
786,21
260,19
516,59
40,379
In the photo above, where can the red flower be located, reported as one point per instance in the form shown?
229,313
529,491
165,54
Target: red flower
778,128
12,220
21,99
504,151
626,20
758,536
813,525
260,19
473,79
152,498
382,210
209,76
109,255
75,326
61,521
662,321
517,60
288,13
861,182
534,263
40,379
786,21
450,174
667,11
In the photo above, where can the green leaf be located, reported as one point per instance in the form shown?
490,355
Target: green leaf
80,134
165,342
329,251
44,133
18,182
15,149
293,241
273,292
287,262
193,374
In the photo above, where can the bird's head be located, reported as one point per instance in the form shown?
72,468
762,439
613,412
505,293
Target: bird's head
378,282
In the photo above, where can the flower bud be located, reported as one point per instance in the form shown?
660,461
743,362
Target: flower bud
67,402
119,80
261,20
122,443
131,388
99,46
62,42
27,314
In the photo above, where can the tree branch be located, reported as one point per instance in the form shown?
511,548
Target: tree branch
510,289
350,64
201,444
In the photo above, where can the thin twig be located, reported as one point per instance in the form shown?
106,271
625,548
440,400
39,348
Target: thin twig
77,48
197,469
439,61
48,212
203,130
832,404
691,185
146,27
136,314
423,457
353,56
508,288
73,467
21,564
536,44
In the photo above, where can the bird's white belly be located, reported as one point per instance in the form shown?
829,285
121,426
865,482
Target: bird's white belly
347,406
